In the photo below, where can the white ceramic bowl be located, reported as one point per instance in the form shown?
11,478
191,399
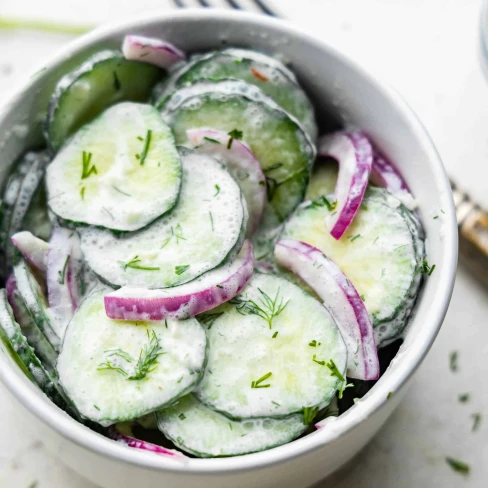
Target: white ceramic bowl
339,86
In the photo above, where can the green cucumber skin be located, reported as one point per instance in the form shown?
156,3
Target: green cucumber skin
58,126
35,301
169,419
23,354
287,184
224,65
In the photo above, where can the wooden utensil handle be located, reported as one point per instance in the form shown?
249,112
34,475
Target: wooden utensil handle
473,234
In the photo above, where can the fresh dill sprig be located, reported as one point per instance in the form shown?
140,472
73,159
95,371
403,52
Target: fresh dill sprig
324,202
147,143
267,308
134,264
87,171
309,413
120,353
334,370
148,357
258,383
457,465
178,233
107,365
62,272
240,304
181,269
234,134
424,268
208,319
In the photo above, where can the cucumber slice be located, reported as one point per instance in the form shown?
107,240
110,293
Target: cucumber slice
276,139
380,253
102,80
261,362
199,234
197,429
34,335
116,371
323,180
268,74
19,198
35,301
21,352
121,171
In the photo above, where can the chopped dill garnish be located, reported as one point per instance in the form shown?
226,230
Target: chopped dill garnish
322,363
240,304
147,143
324,202
208,319
362,297
457,465
275,403
453,361
334,371
134,264
217,190
257,383
357,236
274,335
309,413
146,363
108,212
211,220
424,268
120,191
463,398
314,343
267,308
374,242
97,407
273,167
476,421
148,357
62,272
234,134
82,193
117,84
389,395
181,269
182,416
209,139
436,217
87,171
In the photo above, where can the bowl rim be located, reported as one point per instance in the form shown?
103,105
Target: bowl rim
42,408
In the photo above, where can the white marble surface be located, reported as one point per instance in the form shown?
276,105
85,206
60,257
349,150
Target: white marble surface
429,50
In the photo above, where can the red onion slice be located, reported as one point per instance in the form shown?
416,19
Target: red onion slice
242,164
340,298
181,302
123,433
354,154
151,50
62,285
32,248
385,175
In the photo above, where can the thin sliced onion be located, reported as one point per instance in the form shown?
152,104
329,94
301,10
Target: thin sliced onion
151,50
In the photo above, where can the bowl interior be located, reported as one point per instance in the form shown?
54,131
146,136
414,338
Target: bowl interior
343,94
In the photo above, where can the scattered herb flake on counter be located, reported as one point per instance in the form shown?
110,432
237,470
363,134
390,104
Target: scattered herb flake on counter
476,421
453,361
457,465
464,397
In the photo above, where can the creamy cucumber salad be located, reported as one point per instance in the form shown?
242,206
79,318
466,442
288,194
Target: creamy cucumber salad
189,268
